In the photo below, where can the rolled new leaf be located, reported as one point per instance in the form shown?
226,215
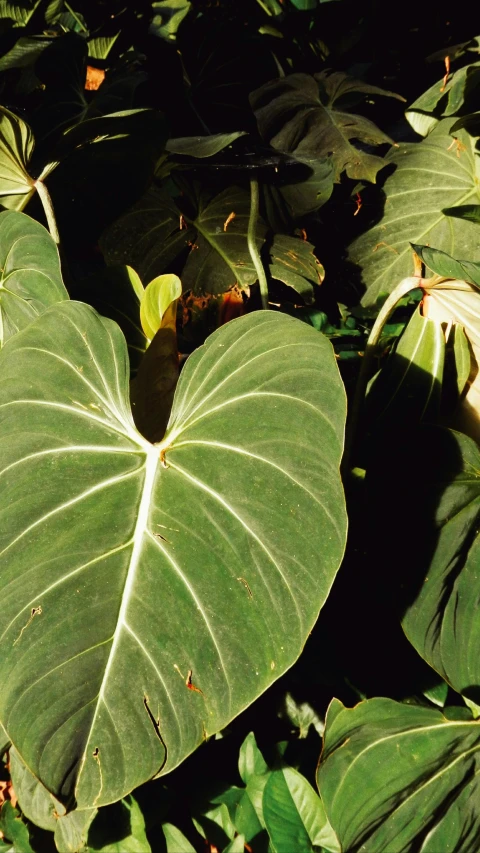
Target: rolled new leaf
152,592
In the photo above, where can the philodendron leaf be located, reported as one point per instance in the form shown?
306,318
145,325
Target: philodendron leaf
408,387
71,831
16,147
44,810
158,581
470,212
292,261
443,99
4,741
175,840
444,265
36,803
202,146
159,304
14,829
167,17
440,617
30,277
20,11
294,814
431,175
400,777
153,233
298,114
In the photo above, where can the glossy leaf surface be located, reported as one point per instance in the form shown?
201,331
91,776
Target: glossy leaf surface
427,801
30,277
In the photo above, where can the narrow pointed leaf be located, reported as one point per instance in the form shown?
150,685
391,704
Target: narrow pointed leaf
150,593
294,814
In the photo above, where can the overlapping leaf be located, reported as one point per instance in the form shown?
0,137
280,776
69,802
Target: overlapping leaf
437,173
427,800
151,235
30,277
150,593
299,114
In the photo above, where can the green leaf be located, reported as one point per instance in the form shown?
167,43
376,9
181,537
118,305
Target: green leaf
36,803
20,11
25,52
440,618
401,777
16,147
293,261
168,15
442,101
302,715
72,829
437,694
294,814
408,388
462,357
444,265
250,760
100,47
237,845
30,277
429,176
150,236
470,212
297,115
309,195
14,829
203,146
175,840
116,569
159,296
4,741
120,829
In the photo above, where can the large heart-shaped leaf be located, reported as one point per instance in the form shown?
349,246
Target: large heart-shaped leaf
151,592
153,233
429,176
30,277
427,801
299,114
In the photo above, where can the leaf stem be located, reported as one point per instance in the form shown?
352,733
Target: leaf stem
405,286
48,208
252,243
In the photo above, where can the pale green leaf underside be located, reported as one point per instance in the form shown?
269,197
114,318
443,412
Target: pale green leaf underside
30,276
430,175
426,802
16,147
120,576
